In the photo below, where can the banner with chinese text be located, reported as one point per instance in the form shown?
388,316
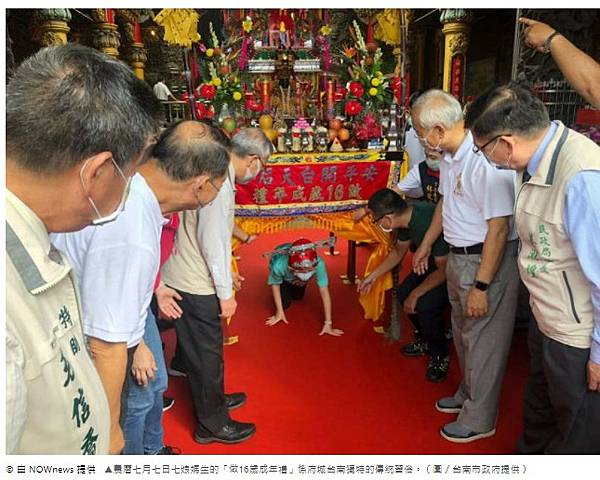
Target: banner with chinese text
290,189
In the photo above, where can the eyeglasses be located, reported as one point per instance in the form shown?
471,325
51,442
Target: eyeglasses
218,189
375,220
477,149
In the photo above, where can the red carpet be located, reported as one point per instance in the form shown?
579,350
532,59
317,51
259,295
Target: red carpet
353,394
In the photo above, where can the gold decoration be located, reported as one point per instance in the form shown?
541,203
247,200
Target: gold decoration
53,33
458,43
180,24
106,39
137,59
387,28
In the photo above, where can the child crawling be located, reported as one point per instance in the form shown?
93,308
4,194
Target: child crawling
291,267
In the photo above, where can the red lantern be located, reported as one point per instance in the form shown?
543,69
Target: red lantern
208,91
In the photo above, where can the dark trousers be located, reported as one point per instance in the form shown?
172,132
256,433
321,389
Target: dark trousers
291,292
430,307
561,416
200,337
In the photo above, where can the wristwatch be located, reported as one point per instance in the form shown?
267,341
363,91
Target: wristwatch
546,45
479,285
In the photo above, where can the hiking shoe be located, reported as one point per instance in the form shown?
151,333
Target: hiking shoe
437,369
417,348
457,433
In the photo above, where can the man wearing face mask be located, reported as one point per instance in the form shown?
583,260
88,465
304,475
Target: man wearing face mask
422,181
76,123
289,273
199,270
117,264
424,296
557,215
475,210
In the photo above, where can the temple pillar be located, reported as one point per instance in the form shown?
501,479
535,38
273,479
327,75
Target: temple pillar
53,25
456,28
137,59
105,37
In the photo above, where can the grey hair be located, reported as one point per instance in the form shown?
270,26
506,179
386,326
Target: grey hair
436,107
190,148
252,141
68,102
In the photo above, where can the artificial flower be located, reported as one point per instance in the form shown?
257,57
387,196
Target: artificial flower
356,89
217,82
237,96
210,52
353,107
208,91
247,25
325,30
372,91
375,82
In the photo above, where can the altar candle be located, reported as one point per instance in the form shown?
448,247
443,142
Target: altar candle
265,95
110,15
330,98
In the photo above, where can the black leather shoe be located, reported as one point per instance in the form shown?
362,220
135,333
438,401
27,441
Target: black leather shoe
235,400
232,432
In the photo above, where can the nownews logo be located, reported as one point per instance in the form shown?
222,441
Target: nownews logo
42,469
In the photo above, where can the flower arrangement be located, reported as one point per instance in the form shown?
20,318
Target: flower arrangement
220,82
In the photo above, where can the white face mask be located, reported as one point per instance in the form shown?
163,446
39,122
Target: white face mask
433,164
304,276
112,216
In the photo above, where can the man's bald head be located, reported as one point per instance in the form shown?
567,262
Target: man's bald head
190,148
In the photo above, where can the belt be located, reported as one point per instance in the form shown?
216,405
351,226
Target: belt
470,250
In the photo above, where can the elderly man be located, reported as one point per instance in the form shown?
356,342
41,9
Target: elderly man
557,216
199,269
121,260
475,209
76,123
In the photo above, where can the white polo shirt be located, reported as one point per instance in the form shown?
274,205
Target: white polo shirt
416,153
474,191
116,265
411,184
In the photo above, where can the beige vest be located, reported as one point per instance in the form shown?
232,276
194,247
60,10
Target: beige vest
560,293
63,406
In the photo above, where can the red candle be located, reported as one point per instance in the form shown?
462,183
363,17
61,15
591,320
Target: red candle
265,95
330,98
110,15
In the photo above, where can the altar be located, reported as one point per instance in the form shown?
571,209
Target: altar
322,191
